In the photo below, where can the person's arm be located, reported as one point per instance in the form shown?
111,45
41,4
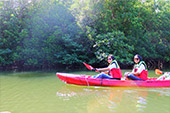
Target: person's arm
102,69
106,68
140,69
133,70
161,77
135,73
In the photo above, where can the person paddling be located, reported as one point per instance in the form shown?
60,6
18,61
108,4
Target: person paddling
111,72
165,76
139,71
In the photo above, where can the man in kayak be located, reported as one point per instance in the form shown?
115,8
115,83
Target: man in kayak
139,71
111,72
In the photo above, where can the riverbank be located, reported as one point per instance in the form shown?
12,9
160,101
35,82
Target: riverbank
151,73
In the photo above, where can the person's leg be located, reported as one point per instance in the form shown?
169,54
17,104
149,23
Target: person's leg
116,78
133,77
95,76
105,76
168,78
125,75
102,75
161,77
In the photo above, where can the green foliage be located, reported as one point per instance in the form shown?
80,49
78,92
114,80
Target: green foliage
70,51
40,33
9,30
113,43
4,56
144,23
48,33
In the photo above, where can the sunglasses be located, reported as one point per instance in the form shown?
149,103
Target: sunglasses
136,58
109,59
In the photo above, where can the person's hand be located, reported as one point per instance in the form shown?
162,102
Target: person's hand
97,70
94,69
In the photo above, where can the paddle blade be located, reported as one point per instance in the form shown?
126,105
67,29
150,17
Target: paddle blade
158,72
88,66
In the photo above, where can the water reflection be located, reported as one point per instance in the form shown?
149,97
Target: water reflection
118,99
67,92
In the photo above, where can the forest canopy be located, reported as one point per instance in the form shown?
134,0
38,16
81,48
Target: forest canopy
47,34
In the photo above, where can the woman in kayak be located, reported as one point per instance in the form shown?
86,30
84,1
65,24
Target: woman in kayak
111,72
139,71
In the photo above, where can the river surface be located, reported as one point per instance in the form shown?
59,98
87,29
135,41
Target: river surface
38,92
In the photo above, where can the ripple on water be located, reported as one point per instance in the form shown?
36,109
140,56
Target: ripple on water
5,112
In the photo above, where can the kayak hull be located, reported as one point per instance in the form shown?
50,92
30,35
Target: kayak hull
86,80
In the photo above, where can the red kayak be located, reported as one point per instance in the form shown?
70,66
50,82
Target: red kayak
86,80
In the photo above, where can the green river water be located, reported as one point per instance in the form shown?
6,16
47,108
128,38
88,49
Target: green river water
39,92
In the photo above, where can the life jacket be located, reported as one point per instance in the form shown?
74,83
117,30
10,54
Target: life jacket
115,72
143,75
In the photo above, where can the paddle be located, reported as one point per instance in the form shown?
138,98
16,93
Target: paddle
158,72
88,66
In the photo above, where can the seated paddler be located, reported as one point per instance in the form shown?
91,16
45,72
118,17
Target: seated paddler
165,76
111,72
139,71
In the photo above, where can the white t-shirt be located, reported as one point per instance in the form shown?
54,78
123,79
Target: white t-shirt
113,65
140,68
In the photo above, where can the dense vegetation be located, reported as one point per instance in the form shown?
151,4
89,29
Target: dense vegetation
48,34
